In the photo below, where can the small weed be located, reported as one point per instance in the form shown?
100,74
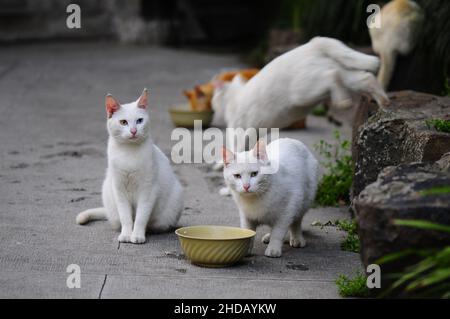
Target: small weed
334,188
353,287
439,124
351,241
319,110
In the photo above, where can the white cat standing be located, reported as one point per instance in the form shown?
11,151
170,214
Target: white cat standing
140,191
278,200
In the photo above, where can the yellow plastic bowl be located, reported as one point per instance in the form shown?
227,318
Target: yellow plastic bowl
184,117
215,246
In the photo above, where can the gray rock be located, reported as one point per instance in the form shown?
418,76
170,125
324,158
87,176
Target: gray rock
397,134
398,194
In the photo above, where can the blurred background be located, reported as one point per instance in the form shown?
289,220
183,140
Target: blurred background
258,30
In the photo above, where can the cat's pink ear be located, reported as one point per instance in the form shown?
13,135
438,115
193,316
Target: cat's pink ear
111,104
143,100
259,151
227,156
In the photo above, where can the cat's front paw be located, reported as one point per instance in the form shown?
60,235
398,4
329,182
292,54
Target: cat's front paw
273,252
137,239
124,238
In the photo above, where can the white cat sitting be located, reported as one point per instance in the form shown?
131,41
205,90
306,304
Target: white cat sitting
294,83
140,190
278,200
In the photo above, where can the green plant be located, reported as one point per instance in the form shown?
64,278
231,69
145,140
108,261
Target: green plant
446,91
351,241
429,275
352,287
319,110
334,186
439,124
437,190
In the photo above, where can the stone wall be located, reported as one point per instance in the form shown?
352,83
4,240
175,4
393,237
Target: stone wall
397,134
403,192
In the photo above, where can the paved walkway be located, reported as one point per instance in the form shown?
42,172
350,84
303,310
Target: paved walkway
53,141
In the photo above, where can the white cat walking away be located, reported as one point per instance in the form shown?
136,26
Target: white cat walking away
140,191
279,200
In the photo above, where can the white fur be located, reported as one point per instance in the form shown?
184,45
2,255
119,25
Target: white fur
400,22
222,94
294,83
279,200
140,190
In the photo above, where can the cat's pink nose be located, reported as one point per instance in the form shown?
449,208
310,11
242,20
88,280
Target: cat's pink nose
133,131
246,187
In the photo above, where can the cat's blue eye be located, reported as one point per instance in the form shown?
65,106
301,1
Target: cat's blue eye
139,121
123,122
253,174
238,176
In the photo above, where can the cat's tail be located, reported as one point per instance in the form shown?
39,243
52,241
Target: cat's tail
349,58
91,214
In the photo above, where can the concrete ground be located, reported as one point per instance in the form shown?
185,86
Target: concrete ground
53,141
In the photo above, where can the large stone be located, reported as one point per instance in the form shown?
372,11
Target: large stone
398,193
397,134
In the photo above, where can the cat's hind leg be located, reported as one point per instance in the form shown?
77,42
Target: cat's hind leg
365,83
387,67
110,205
168,217
297,240
339,94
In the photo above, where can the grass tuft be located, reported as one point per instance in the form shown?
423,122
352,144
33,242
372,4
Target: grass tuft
439,124
351,241
334,188
353,287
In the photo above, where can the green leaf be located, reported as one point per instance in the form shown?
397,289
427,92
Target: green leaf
434,277
422,224
418,269
438,190
394,256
